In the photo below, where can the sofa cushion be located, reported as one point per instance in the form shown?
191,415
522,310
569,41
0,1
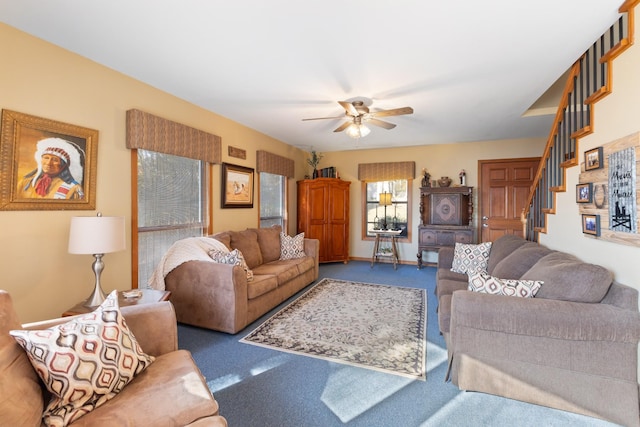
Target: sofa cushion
223,237
233,257
487,284
469,258
569,279
283,270
291,247
304,264
21,401
514,265
261,284
247,242
503,246
269,241
85,362
170,392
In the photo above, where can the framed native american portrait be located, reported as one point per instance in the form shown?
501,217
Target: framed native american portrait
46,164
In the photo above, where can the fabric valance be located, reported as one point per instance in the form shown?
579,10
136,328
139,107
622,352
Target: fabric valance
387,171
153,133
275,164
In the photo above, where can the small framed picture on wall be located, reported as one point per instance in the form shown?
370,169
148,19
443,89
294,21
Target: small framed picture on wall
591,224
593,159
584,193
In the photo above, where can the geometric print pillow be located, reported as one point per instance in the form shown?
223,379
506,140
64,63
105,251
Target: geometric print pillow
470,258
292,247
233,257
484,283
84,362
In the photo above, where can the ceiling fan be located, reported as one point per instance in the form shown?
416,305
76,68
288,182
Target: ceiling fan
358,114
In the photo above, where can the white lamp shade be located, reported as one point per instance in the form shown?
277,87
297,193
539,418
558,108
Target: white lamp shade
96,234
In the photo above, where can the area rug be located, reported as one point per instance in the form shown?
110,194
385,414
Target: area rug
372,326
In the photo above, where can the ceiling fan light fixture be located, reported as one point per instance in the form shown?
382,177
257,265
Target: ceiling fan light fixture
357,131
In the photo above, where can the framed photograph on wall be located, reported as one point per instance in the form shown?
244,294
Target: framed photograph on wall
46,164
584,193
591,224
237,186
593,159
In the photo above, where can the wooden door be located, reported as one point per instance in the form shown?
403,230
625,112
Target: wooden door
504,187
338,222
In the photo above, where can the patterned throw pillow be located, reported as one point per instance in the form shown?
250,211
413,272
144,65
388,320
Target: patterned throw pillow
469,258
233,257
486,284
84,362
292,247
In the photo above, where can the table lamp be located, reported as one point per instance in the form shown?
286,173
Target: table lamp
385,200
96,235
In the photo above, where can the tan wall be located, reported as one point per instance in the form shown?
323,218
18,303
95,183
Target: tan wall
47,81
439,160
40,79
614,117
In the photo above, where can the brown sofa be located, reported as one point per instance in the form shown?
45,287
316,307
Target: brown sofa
169,392
220,297
573,347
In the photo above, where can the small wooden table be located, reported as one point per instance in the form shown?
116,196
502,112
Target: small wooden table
391,252
148,296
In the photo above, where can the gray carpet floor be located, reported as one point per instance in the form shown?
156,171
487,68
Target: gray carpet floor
260,387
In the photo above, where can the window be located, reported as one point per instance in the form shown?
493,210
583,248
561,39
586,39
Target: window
171,205
272,200
396,213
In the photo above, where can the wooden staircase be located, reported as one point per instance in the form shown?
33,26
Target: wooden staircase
590,80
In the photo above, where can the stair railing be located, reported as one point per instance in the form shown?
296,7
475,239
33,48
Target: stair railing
589,80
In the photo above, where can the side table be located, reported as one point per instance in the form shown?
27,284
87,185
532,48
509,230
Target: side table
391,252
148,296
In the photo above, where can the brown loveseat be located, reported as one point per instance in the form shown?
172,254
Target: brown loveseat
220,297
573,347
169,392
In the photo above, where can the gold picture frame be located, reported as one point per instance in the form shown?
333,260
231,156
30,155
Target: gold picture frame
46,164
237,186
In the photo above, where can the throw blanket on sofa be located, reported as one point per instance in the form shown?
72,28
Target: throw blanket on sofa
189,249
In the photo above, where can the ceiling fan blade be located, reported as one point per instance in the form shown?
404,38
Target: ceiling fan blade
324,118
349,108
380,123
394,112
342,127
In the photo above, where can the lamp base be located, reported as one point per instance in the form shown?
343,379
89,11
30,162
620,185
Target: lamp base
97,297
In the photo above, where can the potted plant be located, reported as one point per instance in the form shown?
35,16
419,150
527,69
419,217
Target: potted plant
313,161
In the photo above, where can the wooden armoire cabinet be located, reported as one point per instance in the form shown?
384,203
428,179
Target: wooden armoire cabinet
323,214
446,215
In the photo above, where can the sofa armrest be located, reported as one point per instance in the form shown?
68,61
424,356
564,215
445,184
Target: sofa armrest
312,249
445,257
210,295
154,326
557,319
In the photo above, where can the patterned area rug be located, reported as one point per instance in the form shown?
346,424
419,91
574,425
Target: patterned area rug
373,326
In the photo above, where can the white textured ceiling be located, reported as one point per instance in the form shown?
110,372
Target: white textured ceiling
470,69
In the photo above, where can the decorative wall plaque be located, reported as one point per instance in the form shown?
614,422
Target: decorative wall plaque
238,153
